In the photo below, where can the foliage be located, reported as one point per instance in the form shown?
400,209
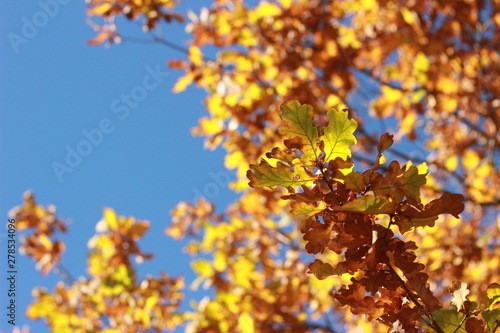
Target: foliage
378,231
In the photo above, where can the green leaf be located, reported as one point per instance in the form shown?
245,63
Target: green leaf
493,293
338,135
301,210
297,125
491,317
400,182
449,320
265,175
354,181
368,204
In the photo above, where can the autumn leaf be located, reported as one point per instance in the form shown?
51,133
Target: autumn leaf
474,325
386,141
321,270
448,203
354,181
99,9
419,283
460,292
493,293
491,318
302,211
408,224
400,182
338,135
297,127
265,175
368,204
450,320
317,237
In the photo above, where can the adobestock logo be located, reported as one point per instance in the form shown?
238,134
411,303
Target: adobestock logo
94,137
212,189
31,25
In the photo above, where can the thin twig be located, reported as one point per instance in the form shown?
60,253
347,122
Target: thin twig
427,317
497,325
461,322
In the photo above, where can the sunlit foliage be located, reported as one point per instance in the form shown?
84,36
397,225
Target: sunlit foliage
326,229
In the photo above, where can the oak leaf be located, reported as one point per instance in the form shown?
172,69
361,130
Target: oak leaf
282,175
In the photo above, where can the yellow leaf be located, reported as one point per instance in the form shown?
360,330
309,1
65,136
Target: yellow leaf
422,168
247,37
183,82
408,123
347,38
331,48
421,63
202,268
368,4
447,85
246,323
220,261
285,3
335,102
214,311
210,126
46,242
195,55
382,159
484,170
111,219
234,159
493,293
451,163
151,301
470,159
496,19
338,135
448,104
408,15
100,9
266,9
391,95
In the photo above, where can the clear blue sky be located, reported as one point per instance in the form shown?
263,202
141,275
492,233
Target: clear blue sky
56,87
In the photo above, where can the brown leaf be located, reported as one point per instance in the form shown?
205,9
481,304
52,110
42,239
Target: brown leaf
323,270
474,325
419,284
448,203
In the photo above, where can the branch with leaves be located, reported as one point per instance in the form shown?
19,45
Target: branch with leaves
342,211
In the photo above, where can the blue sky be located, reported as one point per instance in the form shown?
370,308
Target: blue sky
55,90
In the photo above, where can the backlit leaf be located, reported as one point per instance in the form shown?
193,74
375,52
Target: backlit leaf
321,270
493,293
449,320
368,204
297,126
491,317
338,135
302,210
460,292
265,175
400,182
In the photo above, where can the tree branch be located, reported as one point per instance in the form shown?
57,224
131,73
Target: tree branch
427,317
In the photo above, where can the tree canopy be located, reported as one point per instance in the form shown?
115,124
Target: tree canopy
338,225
